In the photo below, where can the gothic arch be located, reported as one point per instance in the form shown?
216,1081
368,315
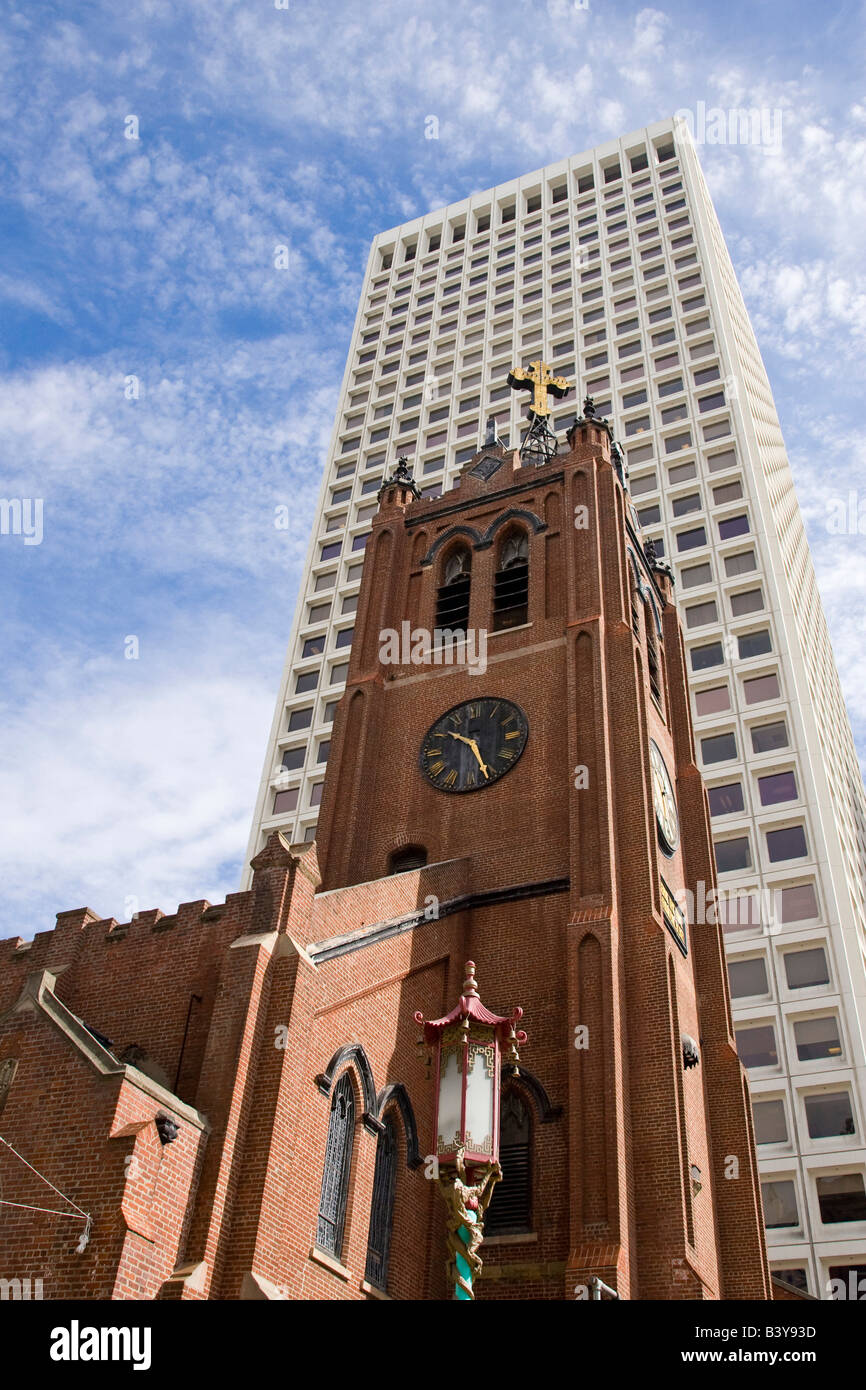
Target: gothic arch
337,1170
376,617
353,1054
512,530
342,789
449,535
645,591
545,1110
456,545
453,586
510,1211
648,598
419,546
381,1224
395,1093
512,514
552,509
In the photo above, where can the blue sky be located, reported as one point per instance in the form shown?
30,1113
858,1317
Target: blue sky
130,783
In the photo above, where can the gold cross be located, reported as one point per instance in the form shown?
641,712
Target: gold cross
542,382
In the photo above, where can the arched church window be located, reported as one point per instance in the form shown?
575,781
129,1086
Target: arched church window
510,1210
511,582
338,1162
382,1206
635,603
452,597
652,650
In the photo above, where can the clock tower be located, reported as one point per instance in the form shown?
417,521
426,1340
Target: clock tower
517,705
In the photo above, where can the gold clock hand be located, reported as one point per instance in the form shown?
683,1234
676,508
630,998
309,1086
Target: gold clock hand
471,743
474,746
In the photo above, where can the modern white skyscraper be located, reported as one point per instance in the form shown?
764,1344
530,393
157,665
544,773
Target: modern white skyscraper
611,266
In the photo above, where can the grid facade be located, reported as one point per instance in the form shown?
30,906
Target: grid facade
611,266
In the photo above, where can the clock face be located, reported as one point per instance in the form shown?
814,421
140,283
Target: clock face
474,744
664,802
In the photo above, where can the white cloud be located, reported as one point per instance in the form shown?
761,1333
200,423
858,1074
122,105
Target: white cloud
131,779
190,471
650,28
30,296
261,126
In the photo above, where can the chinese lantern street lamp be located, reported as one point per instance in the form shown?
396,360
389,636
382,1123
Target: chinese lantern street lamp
466,1049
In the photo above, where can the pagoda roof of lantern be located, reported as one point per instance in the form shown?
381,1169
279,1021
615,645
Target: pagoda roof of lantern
468,1008
471,1007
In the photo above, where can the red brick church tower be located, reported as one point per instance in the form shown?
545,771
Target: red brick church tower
562,777
522,794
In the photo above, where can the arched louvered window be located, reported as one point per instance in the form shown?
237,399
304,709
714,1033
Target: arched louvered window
382,1207
452,597
409,857
510,1210
511,582
652,652
635,604
338,1161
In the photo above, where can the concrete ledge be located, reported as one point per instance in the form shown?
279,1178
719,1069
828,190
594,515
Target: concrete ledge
372,1292
320,1257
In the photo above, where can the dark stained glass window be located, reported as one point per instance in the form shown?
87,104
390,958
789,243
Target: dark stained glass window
382,1209
338,1161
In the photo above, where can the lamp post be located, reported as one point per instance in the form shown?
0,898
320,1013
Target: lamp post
466,1049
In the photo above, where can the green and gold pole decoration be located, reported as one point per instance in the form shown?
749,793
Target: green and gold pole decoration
466,1048
466,1204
